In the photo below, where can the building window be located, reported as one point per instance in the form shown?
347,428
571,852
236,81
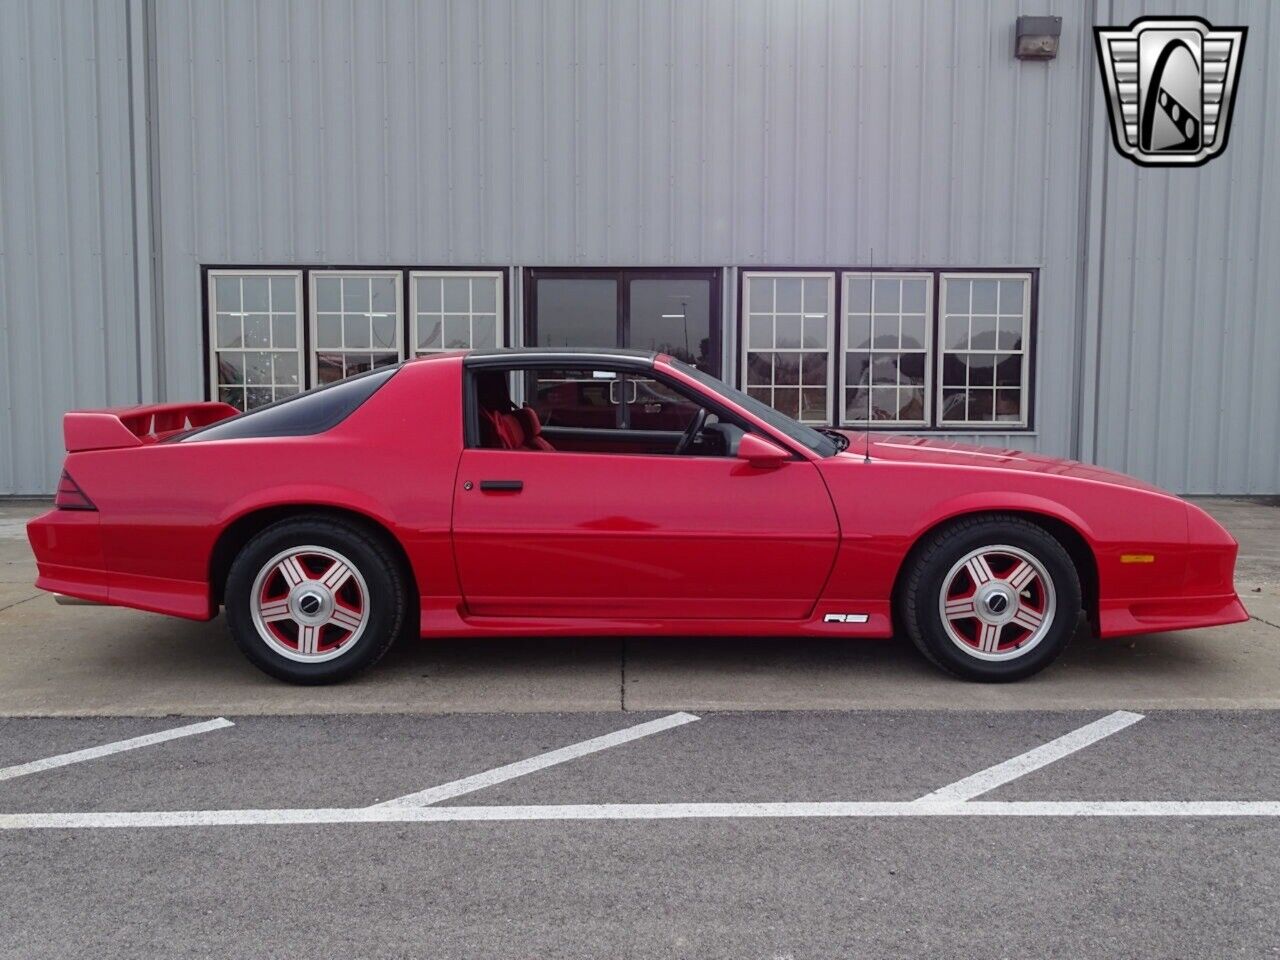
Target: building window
788,340
985,331
255,336
453,310
923,349
887,333
266,340
355,323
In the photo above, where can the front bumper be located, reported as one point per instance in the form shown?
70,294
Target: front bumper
1126,617
1187,588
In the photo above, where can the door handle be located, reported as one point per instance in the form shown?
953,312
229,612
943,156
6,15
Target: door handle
614,391
510,486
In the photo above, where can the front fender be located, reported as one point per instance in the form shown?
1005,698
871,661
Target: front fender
1002,502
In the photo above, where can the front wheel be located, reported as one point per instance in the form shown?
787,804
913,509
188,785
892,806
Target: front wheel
314,600
992,598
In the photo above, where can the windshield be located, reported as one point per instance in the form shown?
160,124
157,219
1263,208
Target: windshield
820,443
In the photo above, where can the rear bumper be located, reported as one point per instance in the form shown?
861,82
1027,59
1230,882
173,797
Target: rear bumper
71,562
69,558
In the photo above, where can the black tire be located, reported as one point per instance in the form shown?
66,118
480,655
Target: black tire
933,562
387,601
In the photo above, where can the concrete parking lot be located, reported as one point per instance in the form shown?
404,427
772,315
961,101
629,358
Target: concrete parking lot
89,660
647,798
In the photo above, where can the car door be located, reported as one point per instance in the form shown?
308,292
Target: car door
606,534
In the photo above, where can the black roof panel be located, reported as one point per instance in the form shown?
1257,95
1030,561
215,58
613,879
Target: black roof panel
506,355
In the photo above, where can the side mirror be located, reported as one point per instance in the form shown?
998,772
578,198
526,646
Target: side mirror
761,452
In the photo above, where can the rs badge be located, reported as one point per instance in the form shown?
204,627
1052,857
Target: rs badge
1171,86
845,618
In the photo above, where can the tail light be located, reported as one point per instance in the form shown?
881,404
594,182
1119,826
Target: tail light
70,496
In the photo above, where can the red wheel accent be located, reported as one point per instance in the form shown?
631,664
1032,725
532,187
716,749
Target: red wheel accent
310,603
997,602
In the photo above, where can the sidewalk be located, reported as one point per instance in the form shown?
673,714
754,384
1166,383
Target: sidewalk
96,660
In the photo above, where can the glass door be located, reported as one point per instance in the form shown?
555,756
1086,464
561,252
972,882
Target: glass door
675,311
568,308
672,315
672,311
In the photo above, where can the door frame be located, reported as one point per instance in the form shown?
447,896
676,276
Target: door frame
623,277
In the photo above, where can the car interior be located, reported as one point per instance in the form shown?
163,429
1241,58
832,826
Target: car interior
596,410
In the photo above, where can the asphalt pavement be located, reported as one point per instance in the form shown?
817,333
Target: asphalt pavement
613,881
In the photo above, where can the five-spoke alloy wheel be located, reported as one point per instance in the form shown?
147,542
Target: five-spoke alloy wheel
310,603
997,602
314,600
991,598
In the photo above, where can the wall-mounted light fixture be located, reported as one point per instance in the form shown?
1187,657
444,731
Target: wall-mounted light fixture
1037,38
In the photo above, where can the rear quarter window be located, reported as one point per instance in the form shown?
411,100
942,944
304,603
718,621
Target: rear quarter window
308,413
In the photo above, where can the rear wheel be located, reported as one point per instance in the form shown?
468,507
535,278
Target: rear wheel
992,598
315,600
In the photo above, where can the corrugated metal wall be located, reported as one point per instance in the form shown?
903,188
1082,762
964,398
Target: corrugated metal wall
1187,335
67,299
624,133
731,133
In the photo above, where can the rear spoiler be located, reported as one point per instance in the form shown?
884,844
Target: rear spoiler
136,426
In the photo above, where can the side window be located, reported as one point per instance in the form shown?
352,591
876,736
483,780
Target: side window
659,406
574,398
595,410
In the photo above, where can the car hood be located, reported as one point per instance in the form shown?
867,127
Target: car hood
916,449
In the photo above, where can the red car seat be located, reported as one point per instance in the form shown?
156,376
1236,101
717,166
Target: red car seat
503,426
532,426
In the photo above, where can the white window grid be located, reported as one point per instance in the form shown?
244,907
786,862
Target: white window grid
260,340
368,335
1003,321
441,320
811,320
888,326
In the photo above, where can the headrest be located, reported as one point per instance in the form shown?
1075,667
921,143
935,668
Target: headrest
491,390
528,418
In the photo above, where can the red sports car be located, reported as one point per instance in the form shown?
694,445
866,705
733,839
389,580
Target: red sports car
519,492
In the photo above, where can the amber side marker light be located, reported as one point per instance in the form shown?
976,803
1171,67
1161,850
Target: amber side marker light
70,496
1137,558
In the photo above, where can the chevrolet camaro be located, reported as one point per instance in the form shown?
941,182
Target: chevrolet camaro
553,492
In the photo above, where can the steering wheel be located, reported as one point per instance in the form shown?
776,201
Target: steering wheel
691,431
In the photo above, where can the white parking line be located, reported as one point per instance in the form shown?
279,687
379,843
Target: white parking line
93,753
642,811
479,781
1002,773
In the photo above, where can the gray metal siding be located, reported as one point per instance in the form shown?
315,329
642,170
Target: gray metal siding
67,308
733,133
1187,336
623,133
